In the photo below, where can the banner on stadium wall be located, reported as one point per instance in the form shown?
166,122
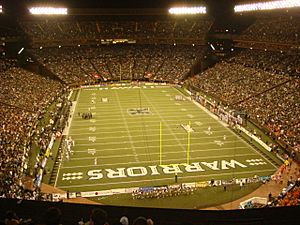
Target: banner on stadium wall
130,190
118,191
192,185
202,184
72,195
88,194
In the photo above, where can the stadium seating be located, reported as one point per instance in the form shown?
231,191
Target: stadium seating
57,31
264,84
125,62
24,96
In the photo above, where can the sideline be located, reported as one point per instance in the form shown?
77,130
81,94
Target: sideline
71,115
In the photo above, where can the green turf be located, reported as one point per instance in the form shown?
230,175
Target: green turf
130,144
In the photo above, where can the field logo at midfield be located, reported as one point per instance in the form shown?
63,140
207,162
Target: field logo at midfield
155,170
138,111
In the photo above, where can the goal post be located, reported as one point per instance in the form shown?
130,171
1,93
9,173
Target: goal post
188,147
160,143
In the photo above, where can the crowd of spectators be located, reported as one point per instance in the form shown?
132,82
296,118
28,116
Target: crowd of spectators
24,97
264,84
275,29
119,62
55,216
59,30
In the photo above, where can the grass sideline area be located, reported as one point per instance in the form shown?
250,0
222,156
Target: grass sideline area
139,138
201,198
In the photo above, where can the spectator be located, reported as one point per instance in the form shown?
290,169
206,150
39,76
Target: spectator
98,217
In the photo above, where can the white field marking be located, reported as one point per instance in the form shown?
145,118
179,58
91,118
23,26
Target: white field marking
93,129
168,152
150,141
169,113
151,120
148,135
210,139
127,128
199,123
58,171
70,119
226,126
190,116
163,179
66,132
108,125
183,109
166,104
159,101
137,125
171,160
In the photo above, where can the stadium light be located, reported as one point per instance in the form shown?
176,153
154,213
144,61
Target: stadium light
187,10
48,11
1,9
267,5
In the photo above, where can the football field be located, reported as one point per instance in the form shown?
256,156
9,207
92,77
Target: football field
141,136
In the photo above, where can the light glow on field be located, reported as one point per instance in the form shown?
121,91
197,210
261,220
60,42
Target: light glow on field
187,10
267,5
48,11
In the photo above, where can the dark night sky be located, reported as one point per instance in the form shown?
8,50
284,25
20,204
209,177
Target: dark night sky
120,3
215,7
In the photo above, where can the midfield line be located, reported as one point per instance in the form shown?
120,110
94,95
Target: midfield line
126,126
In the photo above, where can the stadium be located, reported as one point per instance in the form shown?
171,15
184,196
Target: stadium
150,112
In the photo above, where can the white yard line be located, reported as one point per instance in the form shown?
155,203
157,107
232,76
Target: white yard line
203,150
162,179
149,120
127,128
136,136
145,154
151,161
142,141
70,119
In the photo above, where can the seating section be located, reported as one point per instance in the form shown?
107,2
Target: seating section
284,29
264,84
59,30
24,96
125,62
